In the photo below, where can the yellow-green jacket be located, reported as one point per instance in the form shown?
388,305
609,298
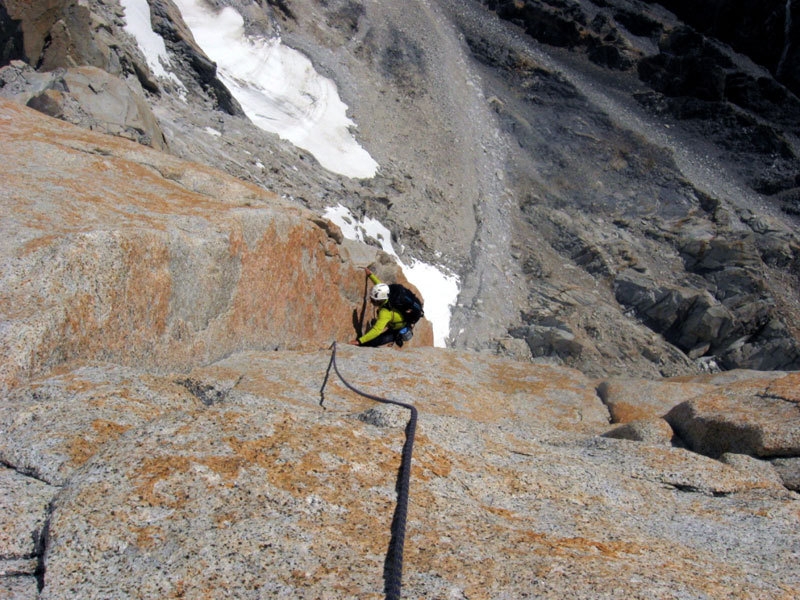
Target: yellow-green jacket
386,318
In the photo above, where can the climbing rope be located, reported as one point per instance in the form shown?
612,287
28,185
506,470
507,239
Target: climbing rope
393,568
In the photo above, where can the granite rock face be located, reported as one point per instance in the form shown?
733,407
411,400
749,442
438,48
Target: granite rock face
165,432
243,478
615,183
112,251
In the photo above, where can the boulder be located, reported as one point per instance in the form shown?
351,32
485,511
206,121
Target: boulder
85,96
789,471
757,418
20,82
631,399
93,99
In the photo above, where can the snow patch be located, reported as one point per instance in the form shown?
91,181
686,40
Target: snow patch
439,288
354,229
279,90
138,24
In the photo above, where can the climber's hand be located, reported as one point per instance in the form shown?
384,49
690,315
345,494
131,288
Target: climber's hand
354,343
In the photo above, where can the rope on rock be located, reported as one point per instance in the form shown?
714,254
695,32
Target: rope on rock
393,567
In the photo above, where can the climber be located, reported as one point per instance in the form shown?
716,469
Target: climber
391,325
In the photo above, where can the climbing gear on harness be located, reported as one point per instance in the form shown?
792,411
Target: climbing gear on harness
401,336
393,571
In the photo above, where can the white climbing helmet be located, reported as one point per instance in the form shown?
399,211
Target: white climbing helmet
380,292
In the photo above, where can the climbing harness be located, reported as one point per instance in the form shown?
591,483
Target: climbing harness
393,569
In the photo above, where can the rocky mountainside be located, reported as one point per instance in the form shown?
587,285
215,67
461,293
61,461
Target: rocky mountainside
116,252
616,189
165,432
618,193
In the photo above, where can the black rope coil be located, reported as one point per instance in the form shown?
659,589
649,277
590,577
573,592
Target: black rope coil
393,567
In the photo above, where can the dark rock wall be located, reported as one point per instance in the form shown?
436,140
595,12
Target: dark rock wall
11,38
768,31
712,298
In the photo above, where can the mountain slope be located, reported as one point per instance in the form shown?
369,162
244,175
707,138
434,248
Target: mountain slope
165,430
615,191
113,251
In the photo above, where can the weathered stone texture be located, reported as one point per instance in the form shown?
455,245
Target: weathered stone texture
18,588
636,399
56,424
114,252
263,493
756,417
164,331
745,412
651,431
789,471
24,510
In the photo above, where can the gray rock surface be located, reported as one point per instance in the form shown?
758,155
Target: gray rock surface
267,494
761,419
18,588
757,467
165,327
789,471
643,399
560,157
91,98
50,433
652,431
25,505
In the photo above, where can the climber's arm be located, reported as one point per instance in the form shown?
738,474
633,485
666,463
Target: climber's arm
382,322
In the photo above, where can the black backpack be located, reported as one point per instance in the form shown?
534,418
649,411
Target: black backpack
406,303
